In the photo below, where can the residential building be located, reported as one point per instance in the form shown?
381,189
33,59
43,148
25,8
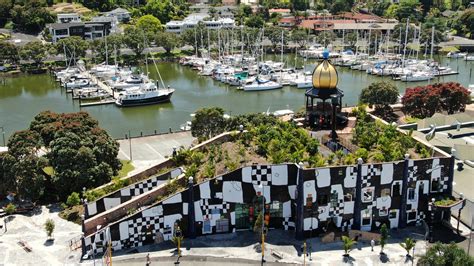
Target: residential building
68,18
284,12
121,14
178,26
95,29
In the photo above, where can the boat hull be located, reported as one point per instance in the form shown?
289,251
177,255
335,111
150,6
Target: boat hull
148,101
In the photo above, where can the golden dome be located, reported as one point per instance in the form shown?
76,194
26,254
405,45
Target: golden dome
325,76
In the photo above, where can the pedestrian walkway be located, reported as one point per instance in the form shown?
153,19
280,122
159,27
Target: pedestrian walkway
145,152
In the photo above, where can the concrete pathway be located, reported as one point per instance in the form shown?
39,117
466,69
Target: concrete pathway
148,151
30,230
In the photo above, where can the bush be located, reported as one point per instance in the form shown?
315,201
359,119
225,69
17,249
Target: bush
49,227
10,208
381,95
73,199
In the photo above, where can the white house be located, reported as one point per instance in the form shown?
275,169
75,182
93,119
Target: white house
68,18
121,14
178,26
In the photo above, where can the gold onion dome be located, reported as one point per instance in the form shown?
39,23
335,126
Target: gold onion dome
325,74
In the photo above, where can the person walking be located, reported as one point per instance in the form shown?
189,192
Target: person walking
372,244
148,261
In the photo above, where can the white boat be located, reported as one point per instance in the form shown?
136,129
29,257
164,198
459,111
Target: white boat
456,55
145,94
128,82
77,83
186,126
93,95
262,85
417,76
283,112
469,58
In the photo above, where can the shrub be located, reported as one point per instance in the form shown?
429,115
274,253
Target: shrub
73,199
49,227
10,208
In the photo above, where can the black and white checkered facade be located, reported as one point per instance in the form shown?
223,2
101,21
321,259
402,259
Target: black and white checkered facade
361,196
127,193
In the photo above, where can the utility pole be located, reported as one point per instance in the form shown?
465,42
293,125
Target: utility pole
3,135
130,144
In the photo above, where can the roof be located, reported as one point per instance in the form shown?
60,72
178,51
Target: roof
60,26
118,11
288,20
346,25
359,16
279,10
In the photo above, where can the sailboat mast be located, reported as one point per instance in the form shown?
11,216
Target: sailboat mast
405,45
432,41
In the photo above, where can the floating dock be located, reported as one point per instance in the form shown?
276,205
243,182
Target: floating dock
95,103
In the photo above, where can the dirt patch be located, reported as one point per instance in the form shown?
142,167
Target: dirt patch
73,214
70,8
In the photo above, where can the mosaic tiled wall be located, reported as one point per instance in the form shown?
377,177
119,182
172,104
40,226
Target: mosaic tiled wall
343,197
125,194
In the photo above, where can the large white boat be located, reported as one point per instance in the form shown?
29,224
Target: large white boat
417,76
127,82
145,94
469,57
456,55
261,85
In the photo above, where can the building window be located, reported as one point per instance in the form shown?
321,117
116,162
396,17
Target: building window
222,225
385,192
276,209
349,196
435,185
366,217
323,200
216,211
334,199
383,211
411,194
393,214
367,194
206,227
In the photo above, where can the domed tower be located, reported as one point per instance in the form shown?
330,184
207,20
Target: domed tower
324,99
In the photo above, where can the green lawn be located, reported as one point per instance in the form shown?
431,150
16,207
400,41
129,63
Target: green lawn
126,168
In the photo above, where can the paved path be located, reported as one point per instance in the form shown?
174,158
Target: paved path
148,151
30,229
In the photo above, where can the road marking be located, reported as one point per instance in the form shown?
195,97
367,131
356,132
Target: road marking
149,146
124,154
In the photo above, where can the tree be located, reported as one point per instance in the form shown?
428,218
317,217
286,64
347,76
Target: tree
32,16
74,46
6,176
101,5
8,52
408,245
445,255
274,34
10,209
167,40
49,227
465,23
339,6
165,10
35,51
114,43
383,237
299,5
149,24
73,199
381,95
208,122
5,7
80,153
135,40
347,244
421,102
254,21
300,37
406,9
380,7
325,38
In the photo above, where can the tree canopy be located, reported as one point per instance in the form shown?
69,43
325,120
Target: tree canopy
149,24
381,95
425,101
167,41
80,153
74,46
30,16
35,51
445,255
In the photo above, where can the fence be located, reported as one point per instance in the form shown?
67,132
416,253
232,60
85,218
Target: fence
466,213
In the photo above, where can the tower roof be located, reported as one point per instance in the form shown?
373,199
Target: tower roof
325,74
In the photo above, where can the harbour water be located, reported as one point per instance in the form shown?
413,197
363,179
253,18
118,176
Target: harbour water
22,97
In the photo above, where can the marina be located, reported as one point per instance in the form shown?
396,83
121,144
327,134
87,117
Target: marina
24,96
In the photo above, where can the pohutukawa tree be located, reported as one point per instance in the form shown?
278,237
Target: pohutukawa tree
380,95
422,102
80,153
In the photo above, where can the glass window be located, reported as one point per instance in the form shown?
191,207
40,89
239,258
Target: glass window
385,192
366,217
216,211
435,185
411,194
323,200
206,227
393,214
334,198
276,209
367,194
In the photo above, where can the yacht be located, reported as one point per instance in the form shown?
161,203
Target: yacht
417,76
144,94
469,58
128,82
262,85
456,55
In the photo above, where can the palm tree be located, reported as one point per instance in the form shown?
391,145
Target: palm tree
408,245
347,244
49,227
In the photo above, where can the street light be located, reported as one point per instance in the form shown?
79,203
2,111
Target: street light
261,187
3,135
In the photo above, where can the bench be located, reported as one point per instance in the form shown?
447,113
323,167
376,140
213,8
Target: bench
277,254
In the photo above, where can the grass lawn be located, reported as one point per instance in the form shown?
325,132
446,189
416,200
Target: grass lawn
126,168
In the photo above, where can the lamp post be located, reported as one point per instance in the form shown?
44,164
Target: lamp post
130,144
263,222
3,135
431,209
333,135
